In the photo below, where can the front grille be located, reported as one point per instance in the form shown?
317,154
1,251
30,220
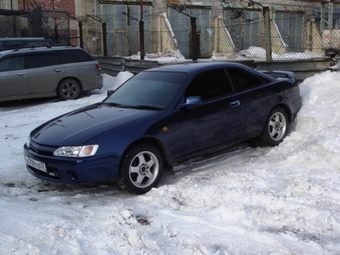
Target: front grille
40,151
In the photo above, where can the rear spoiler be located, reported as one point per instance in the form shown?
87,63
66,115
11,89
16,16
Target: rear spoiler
279,74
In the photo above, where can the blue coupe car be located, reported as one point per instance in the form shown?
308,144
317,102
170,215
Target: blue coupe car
162,116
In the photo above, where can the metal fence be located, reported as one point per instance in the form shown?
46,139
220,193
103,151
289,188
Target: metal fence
237,34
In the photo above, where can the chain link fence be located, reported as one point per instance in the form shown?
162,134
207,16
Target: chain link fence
236,34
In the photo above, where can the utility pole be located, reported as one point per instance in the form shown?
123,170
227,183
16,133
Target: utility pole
55,24
104,31
13,29
193,39
141,31
193,36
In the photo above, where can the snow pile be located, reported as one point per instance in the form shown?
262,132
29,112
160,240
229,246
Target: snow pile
169,56
282,200
258,53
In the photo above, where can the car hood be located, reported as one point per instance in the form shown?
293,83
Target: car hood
79,126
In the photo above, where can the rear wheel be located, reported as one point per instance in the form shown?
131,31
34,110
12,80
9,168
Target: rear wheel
68,89
141,169
276,127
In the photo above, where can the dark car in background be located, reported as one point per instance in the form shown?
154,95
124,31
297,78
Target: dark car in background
24,42
62,71
162,116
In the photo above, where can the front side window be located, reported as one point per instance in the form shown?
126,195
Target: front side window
210,85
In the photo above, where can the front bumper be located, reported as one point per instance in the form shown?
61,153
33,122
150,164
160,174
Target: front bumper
73,170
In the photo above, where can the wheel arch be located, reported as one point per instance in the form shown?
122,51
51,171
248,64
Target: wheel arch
70,77
285,108
149,140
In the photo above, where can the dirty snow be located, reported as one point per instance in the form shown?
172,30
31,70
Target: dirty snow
283,200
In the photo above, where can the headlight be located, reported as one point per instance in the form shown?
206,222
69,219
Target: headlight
28,141
76,151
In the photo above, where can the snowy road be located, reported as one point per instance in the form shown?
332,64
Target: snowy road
282,200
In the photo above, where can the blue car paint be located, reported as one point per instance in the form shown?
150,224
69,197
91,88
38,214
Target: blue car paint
114,136
180,133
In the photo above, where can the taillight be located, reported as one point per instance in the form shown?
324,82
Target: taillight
98,67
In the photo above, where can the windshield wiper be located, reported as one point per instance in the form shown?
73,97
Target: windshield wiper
114,104
146,107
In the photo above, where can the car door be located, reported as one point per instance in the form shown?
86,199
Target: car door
255,95
45,72
13,76
219,119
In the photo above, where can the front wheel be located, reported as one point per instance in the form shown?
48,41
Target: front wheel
276,127
68,89
141,169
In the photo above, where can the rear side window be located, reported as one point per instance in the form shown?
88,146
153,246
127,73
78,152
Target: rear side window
243,80
74,55
42,59
1,46
12,63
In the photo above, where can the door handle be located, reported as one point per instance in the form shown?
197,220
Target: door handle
235,103
21,74
57,70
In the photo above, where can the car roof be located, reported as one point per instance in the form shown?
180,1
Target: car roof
192,67
37,49
21,39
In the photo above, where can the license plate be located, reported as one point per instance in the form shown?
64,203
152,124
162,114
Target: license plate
36,164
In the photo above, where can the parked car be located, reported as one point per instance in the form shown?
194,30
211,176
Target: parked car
162,116
24,42
62,71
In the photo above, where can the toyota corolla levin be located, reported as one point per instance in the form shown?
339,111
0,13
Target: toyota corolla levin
162,116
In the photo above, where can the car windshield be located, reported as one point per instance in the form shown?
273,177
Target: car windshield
148,90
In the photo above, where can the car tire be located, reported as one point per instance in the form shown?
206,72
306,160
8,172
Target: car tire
141,169
275,128
68,89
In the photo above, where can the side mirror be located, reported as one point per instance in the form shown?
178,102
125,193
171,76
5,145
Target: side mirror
110,92
192,101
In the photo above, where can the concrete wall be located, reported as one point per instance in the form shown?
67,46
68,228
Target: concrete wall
166,40
87,13
84,10
313,38
223,43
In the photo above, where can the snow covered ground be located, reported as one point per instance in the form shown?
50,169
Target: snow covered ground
278,201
